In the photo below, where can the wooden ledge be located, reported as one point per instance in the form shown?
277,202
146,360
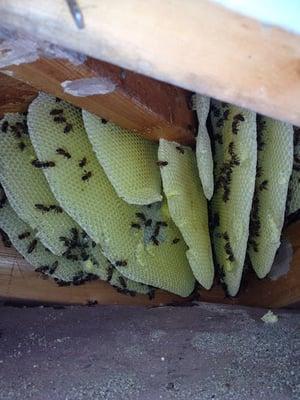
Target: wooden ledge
19,283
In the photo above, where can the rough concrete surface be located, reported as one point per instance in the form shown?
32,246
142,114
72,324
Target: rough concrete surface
116,352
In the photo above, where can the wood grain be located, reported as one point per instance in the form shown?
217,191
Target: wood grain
198,45
18,282
148,107
15,95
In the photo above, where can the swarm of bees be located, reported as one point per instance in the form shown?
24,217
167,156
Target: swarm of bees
229,124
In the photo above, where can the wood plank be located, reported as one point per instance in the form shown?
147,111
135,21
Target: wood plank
19,282
151,108
198,45
15,95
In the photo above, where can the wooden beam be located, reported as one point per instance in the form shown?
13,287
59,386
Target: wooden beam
19,282
198,45
148,107
15,96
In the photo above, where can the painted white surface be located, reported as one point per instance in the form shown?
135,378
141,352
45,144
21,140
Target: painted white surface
281,13
88,86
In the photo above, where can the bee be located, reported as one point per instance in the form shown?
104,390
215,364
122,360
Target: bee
21,146
61,283
226,194
42,207
235,125
239,117
162,163
296,159
56,111
86,176
136,226
2,199
122,282
220,270
24,235
82,162
231,148
228,248
4,126
219,138
72,257
296,135
226,115
75,233
91,303
83,233
148,222
37,163
225,236
78,279
103,121
258,172
215,111
254,245
17,130
175,240
125,291
180,149
68,128
43,164
296,167
84,256
5,238
151,293
63,153
59,119
235,160
220,123
32,246
42,268
63,239
110,271
55,208
261,125
154,240
141,216
121,263
53,267
263,185
215,220
161,223
156,230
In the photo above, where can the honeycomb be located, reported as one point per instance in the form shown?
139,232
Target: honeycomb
63,269
203,146
83,190
100,266
188,206
235,156
274,168
26,186
128,160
